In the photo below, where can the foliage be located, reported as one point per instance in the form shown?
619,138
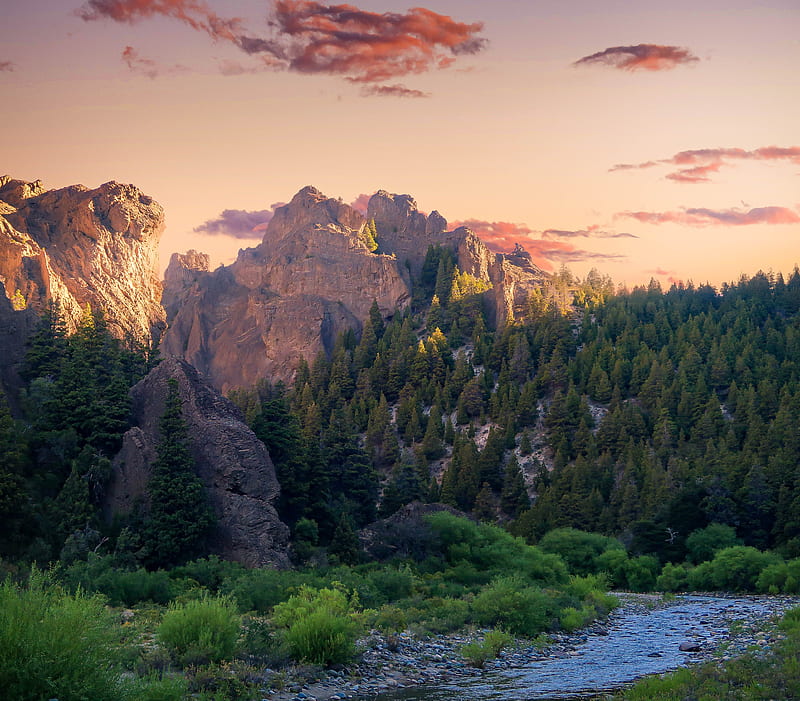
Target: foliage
578,549
478,653
55,645
319,626
703,544
510,603
180,516
201,630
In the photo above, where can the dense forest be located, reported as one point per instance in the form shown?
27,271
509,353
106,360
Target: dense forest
641,414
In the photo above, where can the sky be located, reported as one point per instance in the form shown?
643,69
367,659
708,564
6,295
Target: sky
647,140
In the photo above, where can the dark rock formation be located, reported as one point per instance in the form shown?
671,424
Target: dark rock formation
233,464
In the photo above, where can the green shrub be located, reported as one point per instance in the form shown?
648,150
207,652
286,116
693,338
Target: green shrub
158,689
201,630
509,603
260,590
440,615
319,625
392,583
55,645
612,563
641,572
578,549
491,551
780,578
704,543
672,578
701,578
478,653
738,568
571,618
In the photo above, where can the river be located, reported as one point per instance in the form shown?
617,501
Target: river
638,642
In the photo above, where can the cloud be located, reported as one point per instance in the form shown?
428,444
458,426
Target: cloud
593,231
146,66
239,223
695,165
392,91
314,38
7,66
503,236
651,57
661,271
361,202
700,217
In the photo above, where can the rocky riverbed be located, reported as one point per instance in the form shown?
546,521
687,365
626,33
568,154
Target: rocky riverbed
647,634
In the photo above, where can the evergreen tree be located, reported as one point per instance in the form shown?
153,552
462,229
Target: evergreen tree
180,516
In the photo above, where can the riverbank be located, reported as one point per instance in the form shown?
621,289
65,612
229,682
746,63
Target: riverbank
732,626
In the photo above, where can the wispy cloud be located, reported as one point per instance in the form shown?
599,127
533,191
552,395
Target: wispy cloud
696,165
650,57
147,66
592,231
661,272
7,66
392,91
239,223
701,217
315,38
503,236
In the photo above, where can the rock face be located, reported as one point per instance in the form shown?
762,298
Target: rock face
312,277
233,464
76,246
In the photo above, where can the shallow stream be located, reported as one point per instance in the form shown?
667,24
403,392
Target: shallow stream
637,643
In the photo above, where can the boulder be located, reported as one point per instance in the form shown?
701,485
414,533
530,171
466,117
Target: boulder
232,463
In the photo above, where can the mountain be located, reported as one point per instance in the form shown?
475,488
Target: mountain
76,246
313,276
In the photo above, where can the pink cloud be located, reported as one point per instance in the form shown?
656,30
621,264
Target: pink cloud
392,91
695,165
7,66
503,236
661,272
593,231
239,223
146,66
651,57
315,38
701,217
361,203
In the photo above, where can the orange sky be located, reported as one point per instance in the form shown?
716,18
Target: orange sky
515,114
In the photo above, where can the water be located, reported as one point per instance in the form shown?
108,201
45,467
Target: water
638,644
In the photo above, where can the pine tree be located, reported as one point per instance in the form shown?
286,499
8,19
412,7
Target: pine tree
180,516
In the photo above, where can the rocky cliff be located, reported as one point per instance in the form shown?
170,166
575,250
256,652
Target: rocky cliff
313,276
76,246
233,464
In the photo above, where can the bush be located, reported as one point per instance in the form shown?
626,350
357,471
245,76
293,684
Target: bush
704,543
613,563
640,573
780,578
738,568
201,631
492,551
571,618
55,645
672,578
578,549
319,626
478,653
509,603
260,590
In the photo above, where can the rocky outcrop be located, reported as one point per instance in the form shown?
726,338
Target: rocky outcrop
312,277
75,246
406,233
233,464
